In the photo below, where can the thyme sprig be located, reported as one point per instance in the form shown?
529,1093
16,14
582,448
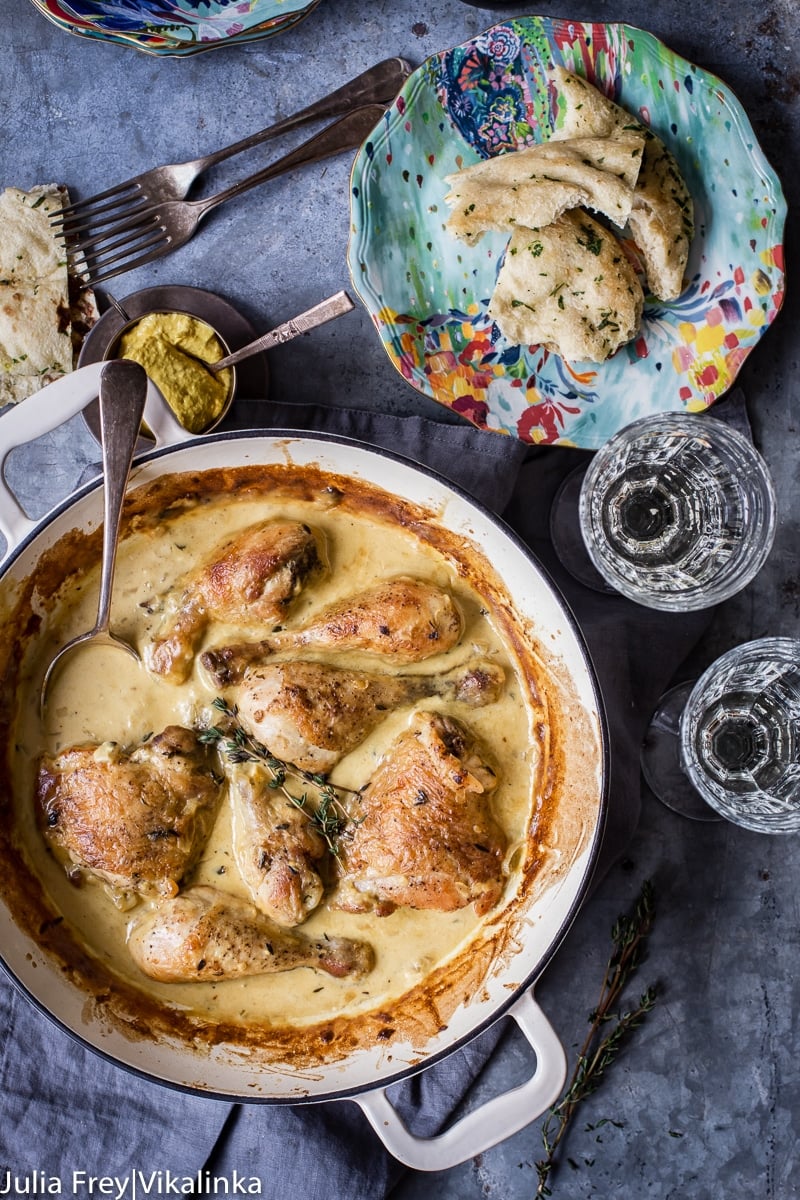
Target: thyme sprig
629,935
319,800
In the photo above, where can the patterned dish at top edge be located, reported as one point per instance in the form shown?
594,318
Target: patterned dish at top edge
428,293
176,27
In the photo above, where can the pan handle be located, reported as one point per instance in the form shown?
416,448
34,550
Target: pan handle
494,1121
51,407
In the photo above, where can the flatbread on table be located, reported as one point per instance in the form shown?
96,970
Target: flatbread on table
662,217
568,286
535,185
43,313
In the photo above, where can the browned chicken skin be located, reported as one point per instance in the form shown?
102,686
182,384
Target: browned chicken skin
278,850
406,620
204,934
136,819
312,714
426,837
249,579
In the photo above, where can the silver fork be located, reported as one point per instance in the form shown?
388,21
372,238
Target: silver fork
160,228
378,85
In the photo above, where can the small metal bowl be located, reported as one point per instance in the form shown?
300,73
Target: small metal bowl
232,328
114,350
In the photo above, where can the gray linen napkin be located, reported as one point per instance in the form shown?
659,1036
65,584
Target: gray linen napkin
62,1108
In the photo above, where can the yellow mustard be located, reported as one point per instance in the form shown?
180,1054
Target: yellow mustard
172,348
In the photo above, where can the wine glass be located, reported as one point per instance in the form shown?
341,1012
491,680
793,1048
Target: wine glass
729,745
676,511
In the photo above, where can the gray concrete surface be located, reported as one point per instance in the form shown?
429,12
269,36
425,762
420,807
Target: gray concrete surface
704,1102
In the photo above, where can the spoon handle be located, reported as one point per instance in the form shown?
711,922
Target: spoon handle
123,389
326,310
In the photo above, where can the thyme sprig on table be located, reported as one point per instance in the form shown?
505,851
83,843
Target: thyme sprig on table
629,935
319,799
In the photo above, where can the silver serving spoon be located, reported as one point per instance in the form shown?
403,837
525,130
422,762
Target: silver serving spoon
123,389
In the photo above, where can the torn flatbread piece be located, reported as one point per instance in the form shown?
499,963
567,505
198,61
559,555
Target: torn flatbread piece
534,186
568,286
36,305
583,111
662,217
35,342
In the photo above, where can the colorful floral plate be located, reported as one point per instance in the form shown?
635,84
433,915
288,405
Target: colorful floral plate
175,27
427,292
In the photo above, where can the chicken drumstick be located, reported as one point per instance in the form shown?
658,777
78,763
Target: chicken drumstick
249,579
204,934
407,620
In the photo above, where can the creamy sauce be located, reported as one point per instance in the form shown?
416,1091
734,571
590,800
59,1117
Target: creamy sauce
102,694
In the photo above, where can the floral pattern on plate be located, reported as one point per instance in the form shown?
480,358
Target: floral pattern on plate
175,27
428,293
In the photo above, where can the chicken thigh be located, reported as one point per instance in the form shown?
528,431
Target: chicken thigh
426,837
407,620
138,820
249,579
204,934
312,714
278,850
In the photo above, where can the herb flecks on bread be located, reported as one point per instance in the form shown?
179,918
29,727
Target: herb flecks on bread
566,282
534,186
662,218
568,286
44,314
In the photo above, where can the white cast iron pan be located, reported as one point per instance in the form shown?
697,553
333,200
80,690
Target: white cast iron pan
365,1073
